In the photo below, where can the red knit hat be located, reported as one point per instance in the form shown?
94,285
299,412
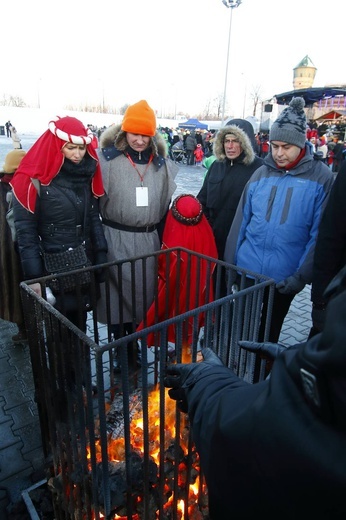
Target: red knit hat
139,119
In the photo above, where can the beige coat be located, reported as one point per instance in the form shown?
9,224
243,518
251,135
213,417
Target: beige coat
15,138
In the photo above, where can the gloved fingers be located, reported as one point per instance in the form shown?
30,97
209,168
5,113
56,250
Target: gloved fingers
251,346
171,381
210,357
283,289
268,349
174,369
177,394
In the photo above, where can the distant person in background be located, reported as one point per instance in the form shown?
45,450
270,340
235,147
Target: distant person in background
199,154
15,139
190,146
322,148
8,126
338,155
10,266
208,161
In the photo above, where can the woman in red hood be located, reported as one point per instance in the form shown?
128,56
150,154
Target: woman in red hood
63,212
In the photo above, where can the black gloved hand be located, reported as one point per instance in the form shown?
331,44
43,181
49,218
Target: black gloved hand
100,258
181,375
267,349
291,285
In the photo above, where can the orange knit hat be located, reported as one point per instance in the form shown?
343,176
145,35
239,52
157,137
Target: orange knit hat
139,119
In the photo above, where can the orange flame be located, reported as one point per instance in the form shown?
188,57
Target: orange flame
116,449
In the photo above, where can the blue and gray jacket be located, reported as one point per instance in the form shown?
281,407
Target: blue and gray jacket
276,224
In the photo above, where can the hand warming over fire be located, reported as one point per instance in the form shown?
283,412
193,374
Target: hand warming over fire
181,376
266,349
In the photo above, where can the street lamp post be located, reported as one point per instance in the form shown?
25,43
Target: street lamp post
229,4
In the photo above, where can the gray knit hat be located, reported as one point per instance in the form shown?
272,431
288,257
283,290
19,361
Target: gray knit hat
290,126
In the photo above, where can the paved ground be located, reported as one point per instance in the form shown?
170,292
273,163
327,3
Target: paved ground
21,457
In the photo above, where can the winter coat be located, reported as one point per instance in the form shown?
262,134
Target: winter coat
225,181
330,250
277,448
118,206
15,139
199,154
58,222
190,142
275,228
10,268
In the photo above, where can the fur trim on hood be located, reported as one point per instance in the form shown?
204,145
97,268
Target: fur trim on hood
244,138
114,136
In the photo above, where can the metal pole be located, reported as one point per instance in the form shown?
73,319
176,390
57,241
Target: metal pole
229,4
226,75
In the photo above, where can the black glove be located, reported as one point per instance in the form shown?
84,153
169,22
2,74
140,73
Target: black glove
291,285
100,258
180,376
269,350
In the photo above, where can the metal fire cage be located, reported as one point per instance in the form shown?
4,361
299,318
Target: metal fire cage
105,435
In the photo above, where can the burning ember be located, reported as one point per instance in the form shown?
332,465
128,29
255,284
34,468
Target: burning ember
174,493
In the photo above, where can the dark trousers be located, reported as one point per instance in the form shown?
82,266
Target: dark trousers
190,157
281,306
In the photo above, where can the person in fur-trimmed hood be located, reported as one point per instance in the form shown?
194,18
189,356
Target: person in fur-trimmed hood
139,183
224,182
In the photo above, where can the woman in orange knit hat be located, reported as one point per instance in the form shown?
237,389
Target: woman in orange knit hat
138,178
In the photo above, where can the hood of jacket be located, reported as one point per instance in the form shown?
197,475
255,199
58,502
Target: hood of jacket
242,130
114,136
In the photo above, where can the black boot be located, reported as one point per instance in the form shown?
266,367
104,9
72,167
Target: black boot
134,355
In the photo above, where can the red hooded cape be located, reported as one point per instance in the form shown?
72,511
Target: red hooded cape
45,158
187,227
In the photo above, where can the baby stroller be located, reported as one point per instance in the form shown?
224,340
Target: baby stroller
178,153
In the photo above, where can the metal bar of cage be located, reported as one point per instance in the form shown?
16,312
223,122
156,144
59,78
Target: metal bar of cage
69,361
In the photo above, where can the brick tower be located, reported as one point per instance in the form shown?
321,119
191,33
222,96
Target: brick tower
304,74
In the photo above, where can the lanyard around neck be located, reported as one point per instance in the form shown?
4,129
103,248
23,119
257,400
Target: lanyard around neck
141,176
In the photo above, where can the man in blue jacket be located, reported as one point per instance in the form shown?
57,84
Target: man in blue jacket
275,227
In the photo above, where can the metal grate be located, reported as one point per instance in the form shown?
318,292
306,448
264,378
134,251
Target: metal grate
100,466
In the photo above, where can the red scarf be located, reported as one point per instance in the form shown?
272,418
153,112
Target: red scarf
44,160
294,163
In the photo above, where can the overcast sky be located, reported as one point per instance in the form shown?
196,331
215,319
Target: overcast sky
171,53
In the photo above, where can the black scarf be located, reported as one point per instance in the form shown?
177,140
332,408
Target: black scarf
72,175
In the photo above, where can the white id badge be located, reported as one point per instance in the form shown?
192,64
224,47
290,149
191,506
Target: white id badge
142,196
